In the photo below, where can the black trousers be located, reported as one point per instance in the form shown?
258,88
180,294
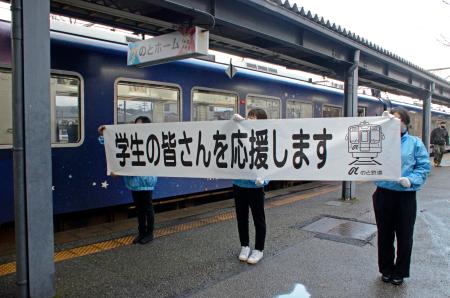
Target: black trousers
144,210
395,214
253,198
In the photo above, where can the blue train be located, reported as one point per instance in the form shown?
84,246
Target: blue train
91,85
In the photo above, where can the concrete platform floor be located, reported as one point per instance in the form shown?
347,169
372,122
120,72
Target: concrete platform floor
202,261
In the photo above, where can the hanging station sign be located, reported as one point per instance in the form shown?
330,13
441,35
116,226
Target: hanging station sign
184,43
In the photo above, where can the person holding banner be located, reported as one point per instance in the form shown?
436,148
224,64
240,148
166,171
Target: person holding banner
250,194
141,188
395,204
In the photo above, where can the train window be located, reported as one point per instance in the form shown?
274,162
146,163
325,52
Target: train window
272,105
331,111
6,104
362,111
65,109
298,109
208,105
159,103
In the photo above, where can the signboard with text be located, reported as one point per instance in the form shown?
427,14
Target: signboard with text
358,148
181,44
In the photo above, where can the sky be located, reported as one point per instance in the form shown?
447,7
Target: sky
408,28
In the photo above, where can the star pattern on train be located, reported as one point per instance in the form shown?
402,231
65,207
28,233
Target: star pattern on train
105,184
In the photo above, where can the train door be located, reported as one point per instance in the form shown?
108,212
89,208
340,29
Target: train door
415,127
6,132
271,105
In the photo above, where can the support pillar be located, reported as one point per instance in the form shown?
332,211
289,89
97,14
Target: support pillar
35,268
426,117
351,110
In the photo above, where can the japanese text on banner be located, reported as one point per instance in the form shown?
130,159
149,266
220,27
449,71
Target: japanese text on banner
289,149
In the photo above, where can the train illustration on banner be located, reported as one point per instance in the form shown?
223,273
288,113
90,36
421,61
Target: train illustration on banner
365,142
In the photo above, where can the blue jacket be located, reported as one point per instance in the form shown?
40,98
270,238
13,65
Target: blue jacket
136,183
140,183
249,183
415,165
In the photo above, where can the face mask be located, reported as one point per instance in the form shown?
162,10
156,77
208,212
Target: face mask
403,127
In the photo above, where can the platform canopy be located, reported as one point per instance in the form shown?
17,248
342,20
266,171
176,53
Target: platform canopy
269,30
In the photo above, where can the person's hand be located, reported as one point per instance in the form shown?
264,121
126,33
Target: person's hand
114,175
387,114
259,182
100,129
237,118
404,182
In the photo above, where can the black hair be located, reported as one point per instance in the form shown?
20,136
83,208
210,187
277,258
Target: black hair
143,119
404,115
257,113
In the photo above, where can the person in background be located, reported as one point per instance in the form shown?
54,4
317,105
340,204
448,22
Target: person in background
395,205
141,188
439,138
250,194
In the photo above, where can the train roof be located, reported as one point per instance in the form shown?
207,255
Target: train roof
417,108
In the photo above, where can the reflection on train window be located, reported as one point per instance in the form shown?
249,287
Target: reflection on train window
331,111
362,111
271,105
298,109
6,111
65,109
159,103
210,105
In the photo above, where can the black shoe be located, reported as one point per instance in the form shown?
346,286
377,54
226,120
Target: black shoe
146,239
138,238
386,278
397,281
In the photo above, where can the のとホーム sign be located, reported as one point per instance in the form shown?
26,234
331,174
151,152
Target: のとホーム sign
181,44
366,148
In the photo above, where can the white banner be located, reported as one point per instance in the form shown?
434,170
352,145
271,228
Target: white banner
339,149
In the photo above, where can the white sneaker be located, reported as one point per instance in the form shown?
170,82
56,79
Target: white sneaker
245,252
255,257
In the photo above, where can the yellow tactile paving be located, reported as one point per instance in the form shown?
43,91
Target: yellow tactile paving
9,268
296,198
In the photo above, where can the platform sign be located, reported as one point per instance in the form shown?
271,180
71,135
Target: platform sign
341,149
184,43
